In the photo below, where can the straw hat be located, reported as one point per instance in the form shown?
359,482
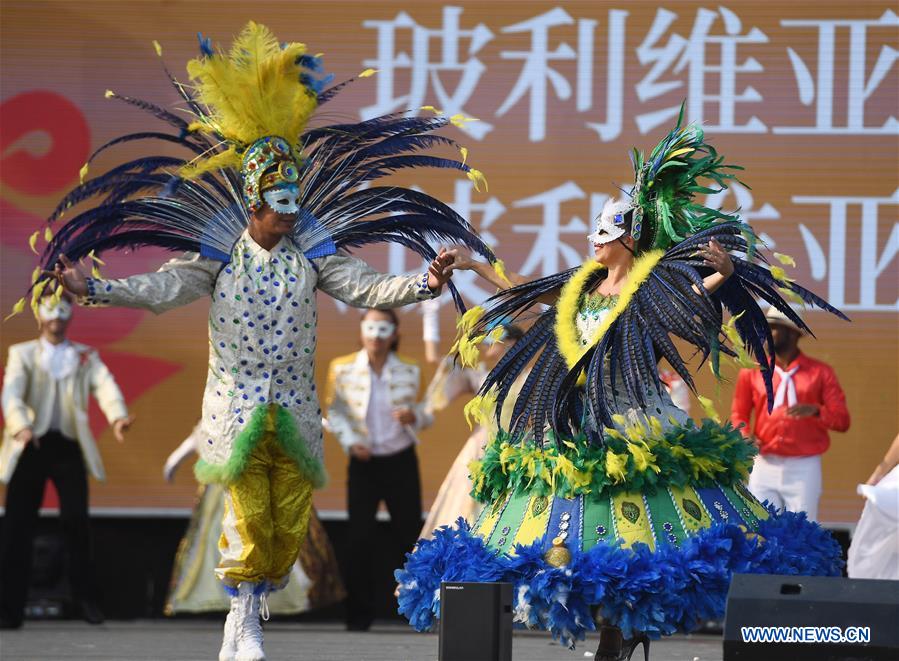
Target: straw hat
775,316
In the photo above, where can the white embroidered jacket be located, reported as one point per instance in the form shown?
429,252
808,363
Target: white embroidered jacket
28,401
262,327
349,392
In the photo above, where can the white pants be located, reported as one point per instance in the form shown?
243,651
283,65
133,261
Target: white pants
790,482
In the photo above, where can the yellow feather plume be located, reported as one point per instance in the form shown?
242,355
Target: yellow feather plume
32,241
254,91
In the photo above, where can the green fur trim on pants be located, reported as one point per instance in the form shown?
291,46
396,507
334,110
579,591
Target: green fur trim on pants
289,439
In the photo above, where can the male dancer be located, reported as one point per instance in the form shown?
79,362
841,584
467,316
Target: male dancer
263,212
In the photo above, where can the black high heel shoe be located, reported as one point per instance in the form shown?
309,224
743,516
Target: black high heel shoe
614,647
630,645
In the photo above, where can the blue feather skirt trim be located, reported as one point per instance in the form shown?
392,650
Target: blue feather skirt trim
659,591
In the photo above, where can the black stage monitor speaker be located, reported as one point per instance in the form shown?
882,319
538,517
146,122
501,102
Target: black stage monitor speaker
814,618
475,622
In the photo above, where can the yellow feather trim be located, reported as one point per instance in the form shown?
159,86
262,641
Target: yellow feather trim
16,309
477,178
616,466
499,267
743,359
466,346
479,408
643,458
566,328
95,259
82,173
32,241
708,408
675,154
786,260
157,48
567,309
459,120
109,94
779,274
496,335
228,158
48,234
368,73
36,293
469,319
790,295
464,152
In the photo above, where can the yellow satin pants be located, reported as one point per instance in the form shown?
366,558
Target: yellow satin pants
267,513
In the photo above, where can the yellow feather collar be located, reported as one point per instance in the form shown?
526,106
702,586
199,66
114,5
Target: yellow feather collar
567,308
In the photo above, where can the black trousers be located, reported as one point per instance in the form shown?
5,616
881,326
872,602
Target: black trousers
395,480
59,459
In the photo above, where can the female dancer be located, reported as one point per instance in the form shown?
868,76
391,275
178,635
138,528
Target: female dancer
603,501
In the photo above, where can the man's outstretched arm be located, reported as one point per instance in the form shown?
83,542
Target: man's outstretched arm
180,281
354,282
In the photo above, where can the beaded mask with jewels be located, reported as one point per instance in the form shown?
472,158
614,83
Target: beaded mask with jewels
267,163
614,222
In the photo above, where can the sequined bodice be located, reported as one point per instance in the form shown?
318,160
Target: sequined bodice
592,311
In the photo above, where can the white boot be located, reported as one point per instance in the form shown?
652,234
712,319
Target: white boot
229,640
249,629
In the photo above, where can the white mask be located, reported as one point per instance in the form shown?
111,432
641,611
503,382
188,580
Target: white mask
48,311
612,222
283,199
377,330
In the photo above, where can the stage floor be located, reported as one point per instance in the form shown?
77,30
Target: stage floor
164,640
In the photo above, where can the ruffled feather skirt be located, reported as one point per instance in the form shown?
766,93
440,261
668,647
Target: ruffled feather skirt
579,545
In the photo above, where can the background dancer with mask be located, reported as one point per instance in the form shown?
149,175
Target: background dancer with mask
46,388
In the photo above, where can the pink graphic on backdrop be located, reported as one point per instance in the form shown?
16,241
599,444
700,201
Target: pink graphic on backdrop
48,174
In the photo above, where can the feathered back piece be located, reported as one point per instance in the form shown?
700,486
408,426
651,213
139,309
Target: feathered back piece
344,202
579,383
254,91
666,183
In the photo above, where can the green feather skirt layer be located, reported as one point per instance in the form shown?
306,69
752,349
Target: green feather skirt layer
289,438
